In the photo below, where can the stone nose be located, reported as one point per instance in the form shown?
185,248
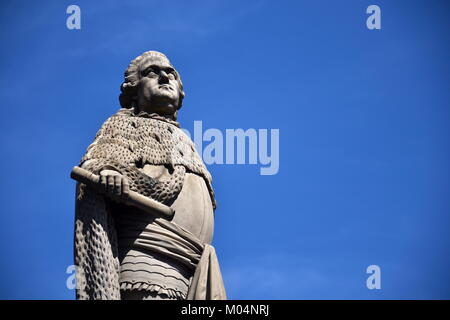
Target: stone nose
163,77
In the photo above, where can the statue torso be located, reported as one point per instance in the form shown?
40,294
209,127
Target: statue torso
193,206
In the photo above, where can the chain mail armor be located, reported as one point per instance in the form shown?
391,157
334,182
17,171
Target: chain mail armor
125,143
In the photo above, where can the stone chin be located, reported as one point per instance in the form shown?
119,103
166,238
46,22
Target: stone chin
167,110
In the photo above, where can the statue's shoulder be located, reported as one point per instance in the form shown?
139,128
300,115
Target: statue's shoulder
123,112
116,119
120,115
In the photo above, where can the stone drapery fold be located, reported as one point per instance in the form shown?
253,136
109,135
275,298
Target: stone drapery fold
176,243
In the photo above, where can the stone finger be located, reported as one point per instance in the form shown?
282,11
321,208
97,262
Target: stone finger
110,185
125,189
104,183
117,185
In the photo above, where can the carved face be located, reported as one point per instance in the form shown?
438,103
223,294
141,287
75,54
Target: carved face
158,90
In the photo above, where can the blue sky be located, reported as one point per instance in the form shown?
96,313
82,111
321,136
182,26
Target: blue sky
364,137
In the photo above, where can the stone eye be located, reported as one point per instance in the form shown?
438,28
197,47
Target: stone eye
171,73
151,72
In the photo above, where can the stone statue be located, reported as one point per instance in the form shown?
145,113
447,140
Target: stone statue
158,246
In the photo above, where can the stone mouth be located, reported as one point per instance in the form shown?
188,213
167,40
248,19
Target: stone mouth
167,87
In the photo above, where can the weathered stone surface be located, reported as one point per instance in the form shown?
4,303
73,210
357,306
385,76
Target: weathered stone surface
125,253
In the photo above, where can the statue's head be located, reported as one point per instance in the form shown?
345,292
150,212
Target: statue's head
153,85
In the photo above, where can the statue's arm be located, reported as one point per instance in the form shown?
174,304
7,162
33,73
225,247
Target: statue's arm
112,182
111,157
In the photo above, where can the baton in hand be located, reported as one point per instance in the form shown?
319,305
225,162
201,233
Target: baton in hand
135,199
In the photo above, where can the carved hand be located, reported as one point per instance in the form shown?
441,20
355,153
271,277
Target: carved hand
115,185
